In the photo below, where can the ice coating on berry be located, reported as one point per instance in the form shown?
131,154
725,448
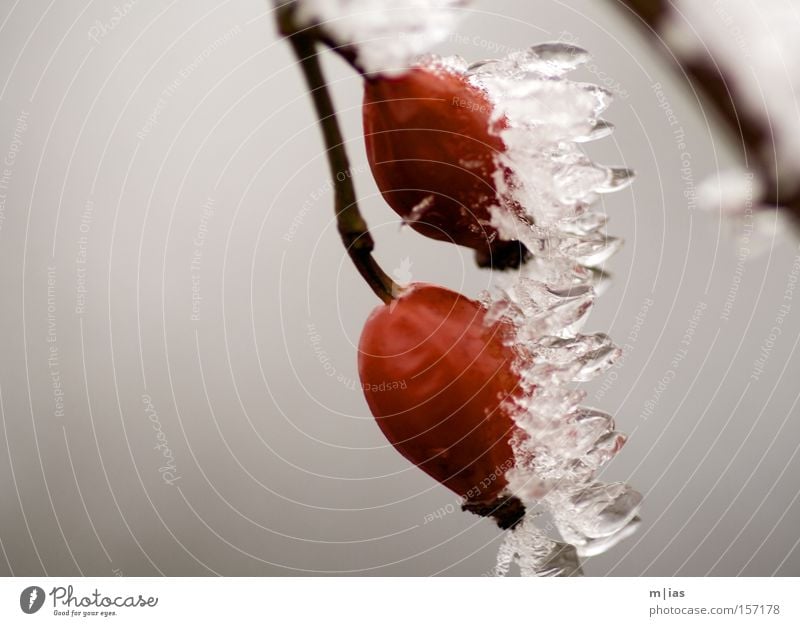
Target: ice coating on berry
547,189
536,554
386,35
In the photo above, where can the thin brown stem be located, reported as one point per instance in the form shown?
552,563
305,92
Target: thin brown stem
351,225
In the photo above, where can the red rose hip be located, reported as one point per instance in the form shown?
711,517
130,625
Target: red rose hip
435,376
432,155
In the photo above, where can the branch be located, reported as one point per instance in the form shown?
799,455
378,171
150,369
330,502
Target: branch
752,133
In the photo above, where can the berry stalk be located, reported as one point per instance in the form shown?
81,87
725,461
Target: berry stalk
351,225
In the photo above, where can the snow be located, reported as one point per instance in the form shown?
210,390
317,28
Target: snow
387,34
730,191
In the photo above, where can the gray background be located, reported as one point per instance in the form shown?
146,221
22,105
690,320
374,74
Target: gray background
279,468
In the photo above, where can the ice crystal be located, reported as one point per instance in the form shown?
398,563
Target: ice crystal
547,191
536,554
387,34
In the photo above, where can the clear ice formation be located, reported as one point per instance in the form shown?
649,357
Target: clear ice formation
548,188
536,554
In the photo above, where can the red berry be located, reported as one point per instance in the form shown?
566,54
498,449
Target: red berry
432,154
435,375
